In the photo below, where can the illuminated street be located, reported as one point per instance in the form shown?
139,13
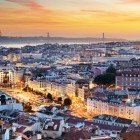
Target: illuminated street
79,109
78,106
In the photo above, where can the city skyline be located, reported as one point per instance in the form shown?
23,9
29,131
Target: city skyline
71,18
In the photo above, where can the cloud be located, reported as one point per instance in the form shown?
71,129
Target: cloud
28,3
28,22
131,1
134,19
105,13
12,16
117,16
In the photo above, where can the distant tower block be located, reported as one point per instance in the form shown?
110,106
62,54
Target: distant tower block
0,33
48,35
103,37
104,44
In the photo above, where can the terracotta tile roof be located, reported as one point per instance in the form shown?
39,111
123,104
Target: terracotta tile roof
24,120
20,129
76,134
133,135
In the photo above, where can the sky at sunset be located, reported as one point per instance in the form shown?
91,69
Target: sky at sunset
71,18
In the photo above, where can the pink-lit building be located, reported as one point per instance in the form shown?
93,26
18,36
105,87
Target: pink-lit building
129,78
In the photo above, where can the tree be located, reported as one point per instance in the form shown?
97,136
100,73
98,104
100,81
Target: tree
67,102
105,79
23,104
25,88
3,99
59,99
28,107
49,96
111,69
98,80
17,101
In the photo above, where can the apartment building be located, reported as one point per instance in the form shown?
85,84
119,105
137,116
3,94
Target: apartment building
35,84
127,64
128,78
56,88
7,76
12,57
125,109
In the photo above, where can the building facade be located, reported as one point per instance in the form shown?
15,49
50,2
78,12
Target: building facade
124,110
7,76
128,78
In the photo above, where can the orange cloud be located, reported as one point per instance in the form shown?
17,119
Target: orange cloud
22,17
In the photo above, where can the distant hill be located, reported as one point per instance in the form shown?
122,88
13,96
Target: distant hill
28,40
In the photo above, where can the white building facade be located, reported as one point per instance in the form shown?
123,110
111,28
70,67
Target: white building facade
100,107
7,76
